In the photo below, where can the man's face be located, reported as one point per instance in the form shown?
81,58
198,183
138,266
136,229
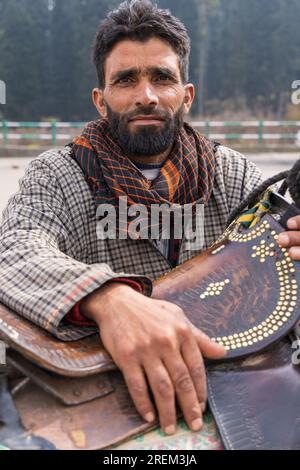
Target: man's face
144,99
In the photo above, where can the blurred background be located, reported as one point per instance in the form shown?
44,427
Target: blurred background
245,57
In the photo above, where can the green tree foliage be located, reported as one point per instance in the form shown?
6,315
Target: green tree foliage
244,54
22,44
254,53
73,27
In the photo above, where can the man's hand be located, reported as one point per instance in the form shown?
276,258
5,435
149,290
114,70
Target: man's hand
291,238
152,340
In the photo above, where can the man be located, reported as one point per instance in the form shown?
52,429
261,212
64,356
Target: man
58,273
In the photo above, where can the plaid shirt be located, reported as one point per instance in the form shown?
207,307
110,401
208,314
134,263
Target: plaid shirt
50,257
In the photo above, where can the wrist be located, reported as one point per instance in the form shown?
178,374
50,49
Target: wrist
97,305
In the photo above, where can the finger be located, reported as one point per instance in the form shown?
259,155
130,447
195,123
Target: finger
138,389
185,390
164,394
294,253
294,223
195,364
208,347
288,239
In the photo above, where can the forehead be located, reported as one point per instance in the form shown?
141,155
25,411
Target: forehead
128,54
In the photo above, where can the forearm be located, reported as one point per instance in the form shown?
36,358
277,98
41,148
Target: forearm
42,283
41,275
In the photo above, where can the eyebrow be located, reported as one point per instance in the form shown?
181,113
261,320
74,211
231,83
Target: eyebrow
134,71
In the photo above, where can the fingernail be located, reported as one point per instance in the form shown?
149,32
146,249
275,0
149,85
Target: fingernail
197,424
283,239
149,417
170,429
292,224
203,407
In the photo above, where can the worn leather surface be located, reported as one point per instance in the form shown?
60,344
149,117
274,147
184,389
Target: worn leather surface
12,431
69,359
93,425
69,390
256,401
258,302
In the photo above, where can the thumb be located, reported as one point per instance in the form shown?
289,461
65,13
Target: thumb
208,347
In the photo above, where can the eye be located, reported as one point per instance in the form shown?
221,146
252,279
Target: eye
163,77
124,80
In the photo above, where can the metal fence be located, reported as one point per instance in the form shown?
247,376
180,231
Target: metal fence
260,132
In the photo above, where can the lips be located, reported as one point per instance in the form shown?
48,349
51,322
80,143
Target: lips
146,119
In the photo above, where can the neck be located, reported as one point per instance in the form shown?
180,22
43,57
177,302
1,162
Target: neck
154,159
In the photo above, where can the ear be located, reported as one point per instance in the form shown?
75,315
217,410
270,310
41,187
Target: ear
189,97
99,101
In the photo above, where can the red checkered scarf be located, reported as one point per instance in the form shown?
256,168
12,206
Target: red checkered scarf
186,177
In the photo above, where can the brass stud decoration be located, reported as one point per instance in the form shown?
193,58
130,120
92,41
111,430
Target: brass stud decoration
288,289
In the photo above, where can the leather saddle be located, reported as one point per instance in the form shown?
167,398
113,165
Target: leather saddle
243,292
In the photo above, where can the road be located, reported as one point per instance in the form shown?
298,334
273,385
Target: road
12,169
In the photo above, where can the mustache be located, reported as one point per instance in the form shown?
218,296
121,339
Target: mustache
147,111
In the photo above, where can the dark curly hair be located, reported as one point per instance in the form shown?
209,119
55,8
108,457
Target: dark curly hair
140,20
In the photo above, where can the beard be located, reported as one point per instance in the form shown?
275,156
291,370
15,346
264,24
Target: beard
148,140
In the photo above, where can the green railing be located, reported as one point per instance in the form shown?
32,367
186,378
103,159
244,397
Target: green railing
53,131
56,132
261,135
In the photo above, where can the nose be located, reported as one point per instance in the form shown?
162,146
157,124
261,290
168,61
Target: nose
146,95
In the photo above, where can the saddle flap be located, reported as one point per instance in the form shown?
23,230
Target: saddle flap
93,425
70,391
256,401
243,292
